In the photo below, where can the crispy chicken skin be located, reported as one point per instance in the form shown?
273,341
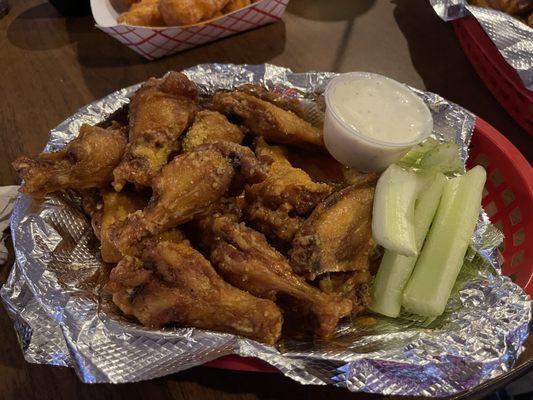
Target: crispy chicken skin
116,207
211,127
186,12
337,236
86,162
353,285
185,188
160,111
244,258
142,13
278,99
277,206
175,284
234,5
266,119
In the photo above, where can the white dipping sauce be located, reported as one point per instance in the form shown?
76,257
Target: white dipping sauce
371,121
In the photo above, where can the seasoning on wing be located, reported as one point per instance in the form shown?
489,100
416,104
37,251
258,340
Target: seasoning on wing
86,162
160,111
186,12
266,119
337,237
244,258
210,127
185,188
277,206
175,284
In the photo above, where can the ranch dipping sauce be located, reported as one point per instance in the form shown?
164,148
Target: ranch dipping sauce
371,121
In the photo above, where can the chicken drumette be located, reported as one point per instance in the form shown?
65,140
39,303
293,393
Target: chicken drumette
175,284
86,162
160,111
185,188
244,258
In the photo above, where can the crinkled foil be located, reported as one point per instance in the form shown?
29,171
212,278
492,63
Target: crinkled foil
512,37
53,292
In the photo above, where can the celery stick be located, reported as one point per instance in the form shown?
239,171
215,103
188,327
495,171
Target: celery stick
442,255
393,211
445,157
395,269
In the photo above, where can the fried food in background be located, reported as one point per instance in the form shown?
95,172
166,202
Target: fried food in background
160,111
175,284
521,9
86,162
187,12
235,5
268,120
210,127
143,13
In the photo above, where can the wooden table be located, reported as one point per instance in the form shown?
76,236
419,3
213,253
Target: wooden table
50,66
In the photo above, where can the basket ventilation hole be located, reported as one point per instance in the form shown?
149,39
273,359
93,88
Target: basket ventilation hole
517,259
515,216
507,196
519,237
485,192
491,209
482,160
496,177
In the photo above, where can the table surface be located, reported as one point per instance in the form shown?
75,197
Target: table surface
51,66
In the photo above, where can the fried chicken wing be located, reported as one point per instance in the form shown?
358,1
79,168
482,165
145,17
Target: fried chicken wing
278,99
353,285
186,12
243,258
337,236
175,284
187,187
277,206
142,13
210,127
266,119
86,162
160,111
234,5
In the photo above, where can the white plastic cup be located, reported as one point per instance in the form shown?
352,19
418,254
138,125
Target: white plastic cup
352,147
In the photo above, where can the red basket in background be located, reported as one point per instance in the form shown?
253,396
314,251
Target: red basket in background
507,199
500,78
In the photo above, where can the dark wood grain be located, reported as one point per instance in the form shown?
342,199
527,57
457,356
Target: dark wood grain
50,66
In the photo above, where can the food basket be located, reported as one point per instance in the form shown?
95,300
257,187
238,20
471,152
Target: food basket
157,42
508,200
499,77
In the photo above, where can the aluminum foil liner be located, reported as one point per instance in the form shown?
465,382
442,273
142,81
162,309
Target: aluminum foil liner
512,37
53,292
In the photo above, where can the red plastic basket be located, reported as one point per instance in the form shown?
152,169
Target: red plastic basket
508,200
499,77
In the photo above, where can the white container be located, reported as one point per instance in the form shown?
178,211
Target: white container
371,121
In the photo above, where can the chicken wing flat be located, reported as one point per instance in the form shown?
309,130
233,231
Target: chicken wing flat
185,188
277,206
266,119
337,236
160,111
86,162
175,284
243,258
278,99
210,127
